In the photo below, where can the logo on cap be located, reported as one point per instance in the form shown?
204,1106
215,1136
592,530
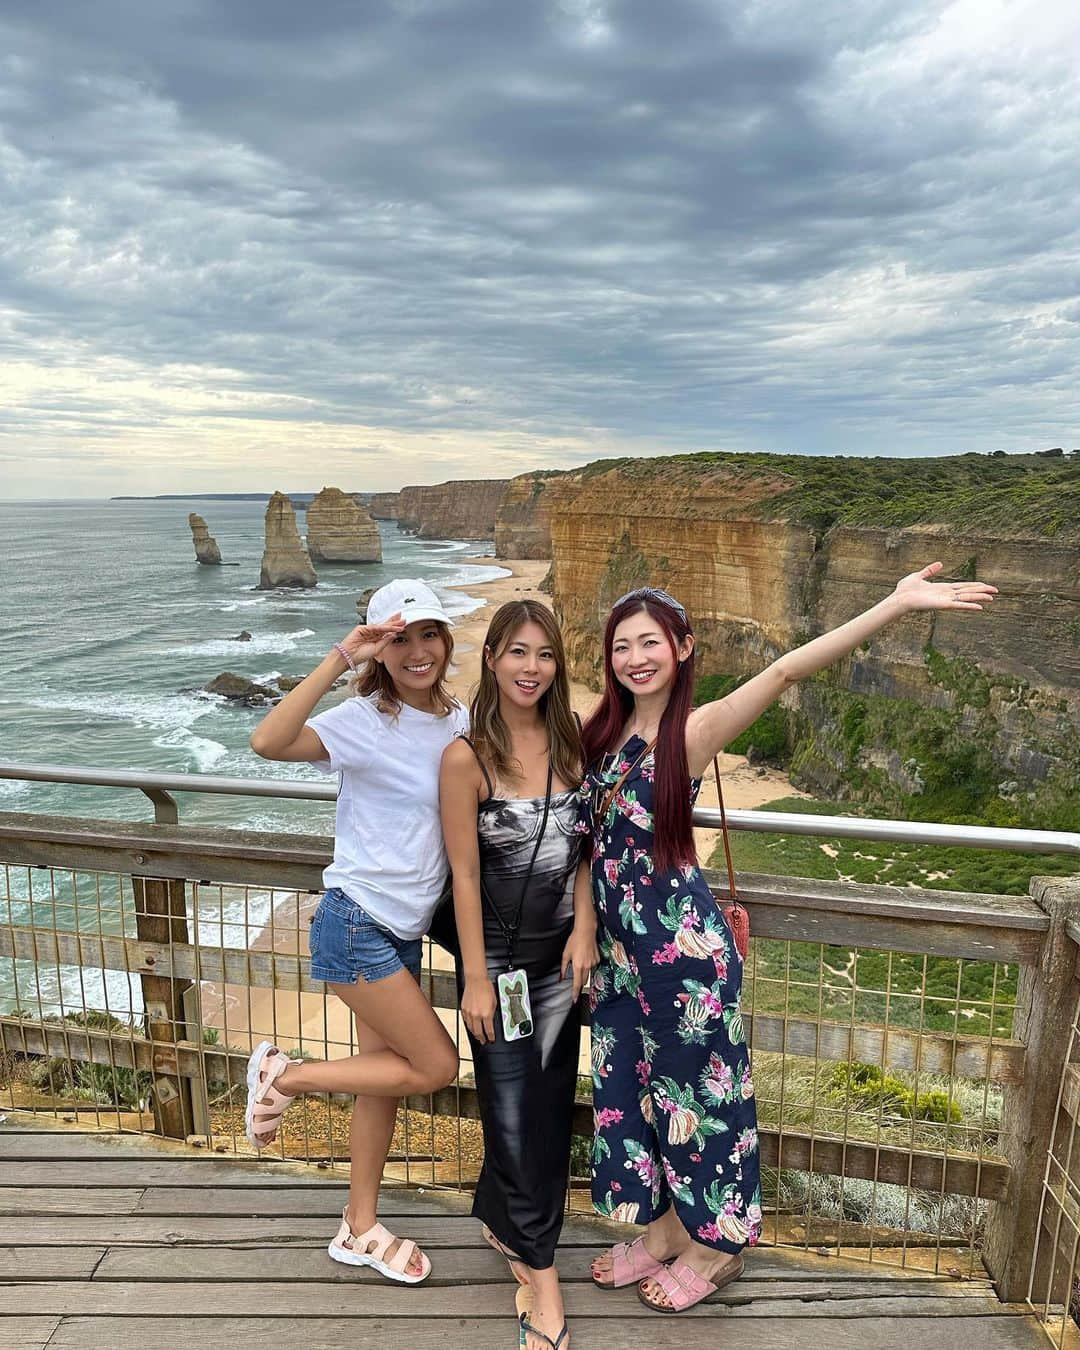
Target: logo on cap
409,600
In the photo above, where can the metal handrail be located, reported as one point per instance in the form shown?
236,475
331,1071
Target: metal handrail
760,822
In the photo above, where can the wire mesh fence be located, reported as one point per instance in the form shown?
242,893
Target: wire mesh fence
879,1075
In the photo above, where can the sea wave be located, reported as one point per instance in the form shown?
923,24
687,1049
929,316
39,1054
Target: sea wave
241,604
204,753
261,644
159,712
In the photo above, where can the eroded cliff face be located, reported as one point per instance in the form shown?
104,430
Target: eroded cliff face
523,519
206,549
463,508
340,530
935,701
285,561
382,505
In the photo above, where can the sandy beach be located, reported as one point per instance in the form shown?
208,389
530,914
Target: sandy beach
322,1026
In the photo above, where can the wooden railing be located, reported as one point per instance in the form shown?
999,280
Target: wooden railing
1033,1067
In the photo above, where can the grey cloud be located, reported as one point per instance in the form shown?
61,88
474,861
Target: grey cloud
662,226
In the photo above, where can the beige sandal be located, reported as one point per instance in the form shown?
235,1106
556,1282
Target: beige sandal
370,1248
265,1103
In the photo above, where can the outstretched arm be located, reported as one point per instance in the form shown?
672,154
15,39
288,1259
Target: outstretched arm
714,725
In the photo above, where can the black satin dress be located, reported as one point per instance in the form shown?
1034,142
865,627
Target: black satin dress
526,1087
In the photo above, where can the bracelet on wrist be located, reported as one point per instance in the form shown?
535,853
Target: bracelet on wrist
344,656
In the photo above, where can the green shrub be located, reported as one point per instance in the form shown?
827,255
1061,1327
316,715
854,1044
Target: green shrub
866,1087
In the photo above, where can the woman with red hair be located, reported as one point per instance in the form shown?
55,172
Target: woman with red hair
675,1144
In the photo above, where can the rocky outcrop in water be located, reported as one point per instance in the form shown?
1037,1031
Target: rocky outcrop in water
206,549
285,561
339,530
239,689
464,508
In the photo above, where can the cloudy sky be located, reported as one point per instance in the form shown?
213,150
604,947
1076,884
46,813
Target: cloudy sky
255,244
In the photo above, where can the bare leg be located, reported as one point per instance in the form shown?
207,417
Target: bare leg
370,1133
548,1314
418,1056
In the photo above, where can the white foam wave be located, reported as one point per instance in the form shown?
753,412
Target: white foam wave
261,644
11,787
241,604
160,712
204,752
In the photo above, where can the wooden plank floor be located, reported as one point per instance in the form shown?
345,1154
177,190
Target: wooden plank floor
111,1240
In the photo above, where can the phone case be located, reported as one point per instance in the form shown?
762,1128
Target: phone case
513,986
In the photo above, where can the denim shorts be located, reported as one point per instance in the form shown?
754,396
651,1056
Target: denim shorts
347,945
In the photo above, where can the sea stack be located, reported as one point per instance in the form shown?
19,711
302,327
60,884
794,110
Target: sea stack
339,530
206,549
285,561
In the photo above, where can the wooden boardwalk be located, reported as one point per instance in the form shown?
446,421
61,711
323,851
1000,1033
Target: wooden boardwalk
112,1241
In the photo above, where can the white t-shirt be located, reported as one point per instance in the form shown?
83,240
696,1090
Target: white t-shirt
388,846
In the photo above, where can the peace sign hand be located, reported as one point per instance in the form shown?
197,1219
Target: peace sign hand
920,591
367,640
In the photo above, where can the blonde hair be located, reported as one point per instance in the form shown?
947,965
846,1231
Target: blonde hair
489,732
374,678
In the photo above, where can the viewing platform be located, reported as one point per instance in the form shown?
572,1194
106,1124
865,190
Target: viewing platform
111,1241
916,1057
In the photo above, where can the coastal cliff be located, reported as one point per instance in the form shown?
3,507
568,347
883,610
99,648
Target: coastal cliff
464,508
340,530
285,561
381,505
206,549
955,711
523,518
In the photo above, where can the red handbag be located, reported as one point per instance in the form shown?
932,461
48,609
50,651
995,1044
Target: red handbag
738,920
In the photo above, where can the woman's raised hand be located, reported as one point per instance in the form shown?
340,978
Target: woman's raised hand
921,591
367,640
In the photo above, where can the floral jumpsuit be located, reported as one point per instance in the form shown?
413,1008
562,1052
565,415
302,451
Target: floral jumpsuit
673,1098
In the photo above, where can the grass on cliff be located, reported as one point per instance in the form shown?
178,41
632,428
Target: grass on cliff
932,993
1009,495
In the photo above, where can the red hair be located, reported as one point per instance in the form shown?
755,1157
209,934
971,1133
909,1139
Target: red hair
673,811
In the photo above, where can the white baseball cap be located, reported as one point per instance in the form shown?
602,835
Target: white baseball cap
411,599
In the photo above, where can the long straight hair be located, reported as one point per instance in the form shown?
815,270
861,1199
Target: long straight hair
490,733
673,814
374,678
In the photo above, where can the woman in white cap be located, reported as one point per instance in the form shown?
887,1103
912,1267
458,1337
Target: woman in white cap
389,868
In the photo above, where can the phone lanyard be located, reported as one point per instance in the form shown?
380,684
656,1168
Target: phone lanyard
510,931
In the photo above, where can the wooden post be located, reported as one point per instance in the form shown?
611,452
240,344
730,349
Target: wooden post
161,916
1045,1008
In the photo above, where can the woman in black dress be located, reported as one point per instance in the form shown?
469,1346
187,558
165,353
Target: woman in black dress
527,936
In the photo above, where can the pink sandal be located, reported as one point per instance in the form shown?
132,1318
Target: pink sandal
265,1102
685,1287
370,1248
630,1263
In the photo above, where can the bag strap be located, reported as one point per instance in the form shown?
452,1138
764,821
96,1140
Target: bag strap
613,791
733,896
483,767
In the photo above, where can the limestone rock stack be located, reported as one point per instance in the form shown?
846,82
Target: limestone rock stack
285,561
340,530
206,549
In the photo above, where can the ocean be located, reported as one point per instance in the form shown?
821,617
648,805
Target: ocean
111,628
